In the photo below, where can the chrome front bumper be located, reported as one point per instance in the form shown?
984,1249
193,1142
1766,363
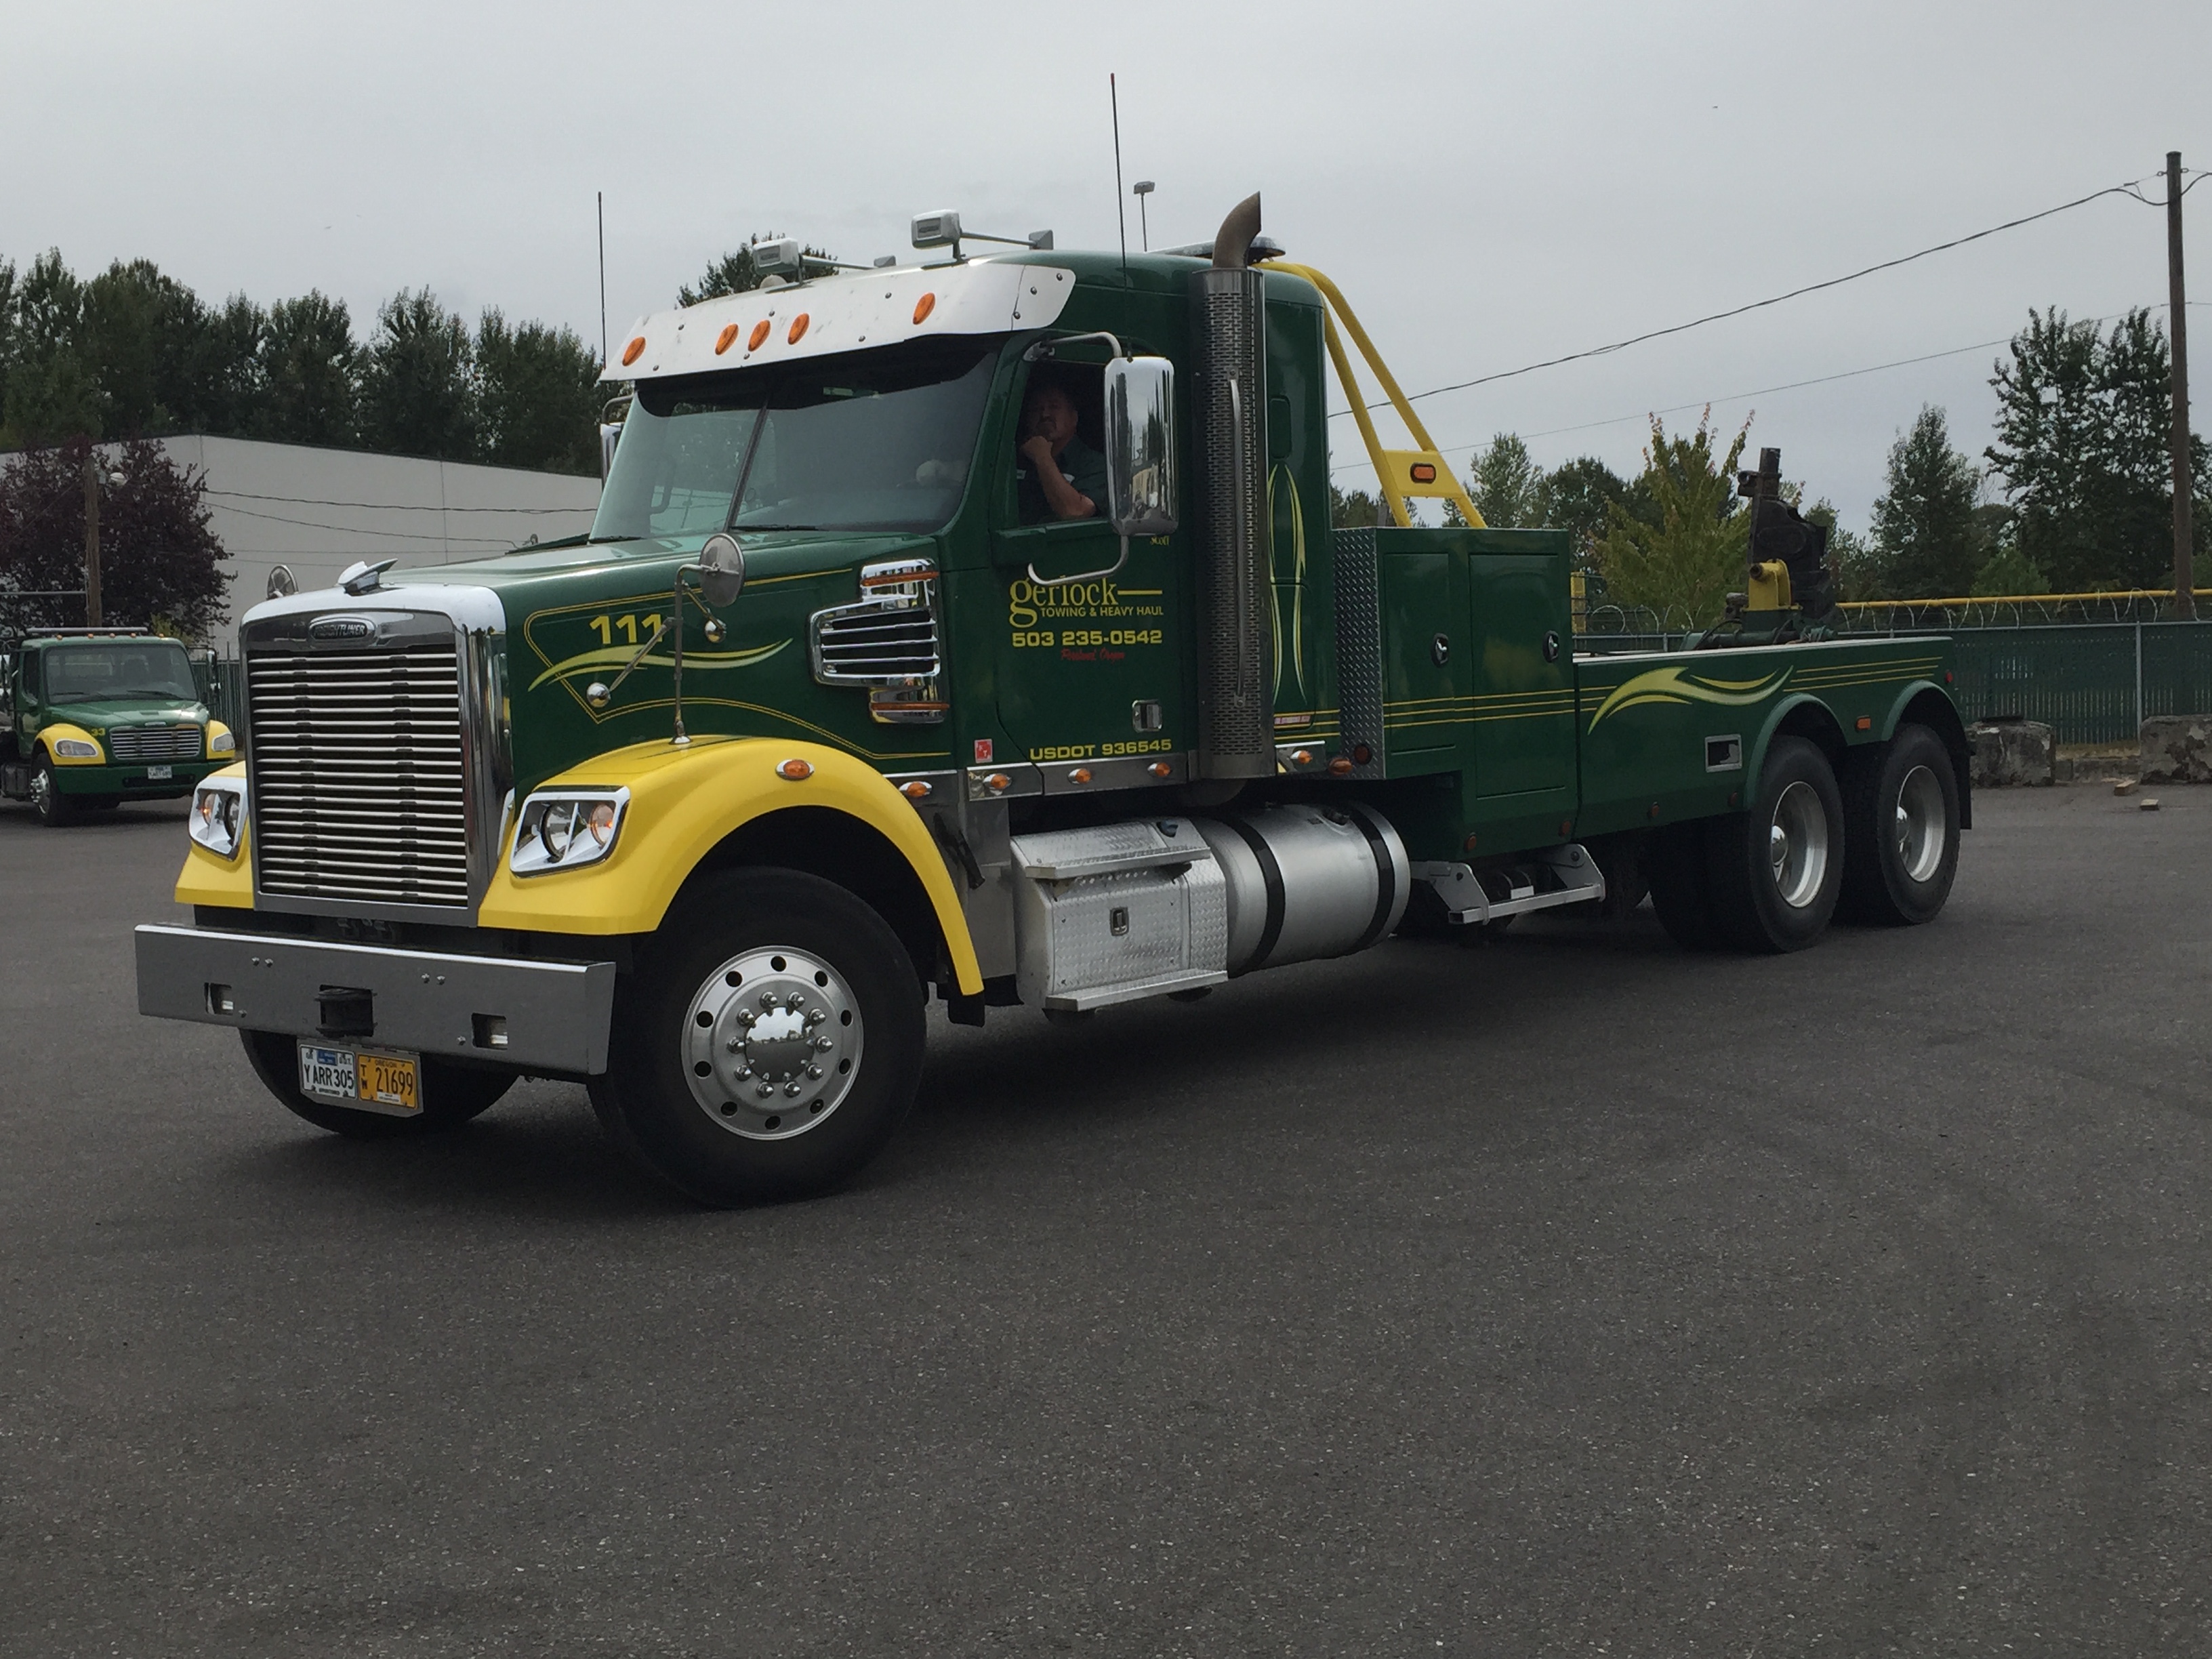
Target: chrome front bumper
548,1015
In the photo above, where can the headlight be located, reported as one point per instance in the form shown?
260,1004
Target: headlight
217,820
75,748
219,740
563,829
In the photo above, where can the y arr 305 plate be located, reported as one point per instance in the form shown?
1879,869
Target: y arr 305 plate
391,1083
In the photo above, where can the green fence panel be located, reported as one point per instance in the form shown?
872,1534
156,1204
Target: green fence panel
2090,682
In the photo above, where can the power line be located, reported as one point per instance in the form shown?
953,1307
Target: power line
1758,305
1763,392
356,530
387,507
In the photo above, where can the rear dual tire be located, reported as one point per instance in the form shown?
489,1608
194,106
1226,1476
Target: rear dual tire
1901,829
1764,880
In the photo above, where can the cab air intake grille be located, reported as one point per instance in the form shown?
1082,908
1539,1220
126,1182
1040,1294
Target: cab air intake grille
156,743
358,768
887,642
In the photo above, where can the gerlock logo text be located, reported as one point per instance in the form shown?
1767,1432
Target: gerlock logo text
1026,600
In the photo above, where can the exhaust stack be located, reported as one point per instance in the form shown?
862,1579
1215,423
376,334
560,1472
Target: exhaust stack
1228,324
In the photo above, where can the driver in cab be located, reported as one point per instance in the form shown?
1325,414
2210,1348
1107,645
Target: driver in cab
1060,476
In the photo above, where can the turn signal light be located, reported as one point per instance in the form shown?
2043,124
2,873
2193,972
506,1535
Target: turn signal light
795,771
997,783
797,329
1161,769
760,333
923,307
1423,473
1079,774
916,790
632,351
724,340
1340,767
1302,756
1865,723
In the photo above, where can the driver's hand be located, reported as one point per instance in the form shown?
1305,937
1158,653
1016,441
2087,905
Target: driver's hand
1037,450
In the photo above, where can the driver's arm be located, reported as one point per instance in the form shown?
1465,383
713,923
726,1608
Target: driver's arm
1065,499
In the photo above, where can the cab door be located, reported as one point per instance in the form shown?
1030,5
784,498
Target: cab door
1089,657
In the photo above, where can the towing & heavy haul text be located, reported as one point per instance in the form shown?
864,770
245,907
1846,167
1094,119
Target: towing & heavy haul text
974,626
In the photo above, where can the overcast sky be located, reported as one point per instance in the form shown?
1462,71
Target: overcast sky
1490,183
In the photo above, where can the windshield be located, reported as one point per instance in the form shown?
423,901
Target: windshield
86,673
874,440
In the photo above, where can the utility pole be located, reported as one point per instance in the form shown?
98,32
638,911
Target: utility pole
92,537
2184,577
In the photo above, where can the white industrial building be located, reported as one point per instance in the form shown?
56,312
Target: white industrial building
318,510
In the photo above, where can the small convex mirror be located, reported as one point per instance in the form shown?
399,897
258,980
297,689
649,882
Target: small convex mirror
1140,448
722,570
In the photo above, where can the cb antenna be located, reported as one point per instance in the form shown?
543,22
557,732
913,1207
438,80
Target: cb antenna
602,196
1121,213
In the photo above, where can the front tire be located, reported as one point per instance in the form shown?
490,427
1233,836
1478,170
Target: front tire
769,1043
55,811
1901,829
452,1095
1775,871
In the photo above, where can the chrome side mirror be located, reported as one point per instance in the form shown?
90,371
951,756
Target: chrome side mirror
1140,448
722,570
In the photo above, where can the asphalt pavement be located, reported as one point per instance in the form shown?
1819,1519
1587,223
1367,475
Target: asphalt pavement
1566,1296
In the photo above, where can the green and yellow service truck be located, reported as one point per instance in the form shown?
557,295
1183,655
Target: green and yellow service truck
845,698
97,716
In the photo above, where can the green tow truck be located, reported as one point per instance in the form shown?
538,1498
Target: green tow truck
843,700
97,716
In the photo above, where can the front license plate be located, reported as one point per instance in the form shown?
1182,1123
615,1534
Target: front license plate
154,773
374,1083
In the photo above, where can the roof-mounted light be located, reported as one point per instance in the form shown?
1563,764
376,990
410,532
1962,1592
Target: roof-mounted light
941,228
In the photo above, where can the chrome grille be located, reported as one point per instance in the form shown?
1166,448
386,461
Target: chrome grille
154,743
359,765
871,644
888,641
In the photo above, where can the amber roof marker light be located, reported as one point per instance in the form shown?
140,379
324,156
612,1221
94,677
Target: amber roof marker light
759,334
724,340
922,307
798,328
633,351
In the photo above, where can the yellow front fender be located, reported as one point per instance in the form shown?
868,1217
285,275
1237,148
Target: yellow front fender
54,730
684,803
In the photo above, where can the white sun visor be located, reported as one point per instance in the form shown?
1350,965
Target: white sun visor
851,310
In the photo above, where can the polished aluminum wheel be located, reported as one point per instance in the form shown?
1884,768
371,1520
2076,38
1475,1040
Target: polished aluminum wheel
772,1043
1797,845
1923,825
42,792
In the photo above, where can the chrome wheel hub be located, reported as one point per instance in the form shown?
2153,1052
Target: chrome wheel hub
1921,830
1797,845
42,792
772,1043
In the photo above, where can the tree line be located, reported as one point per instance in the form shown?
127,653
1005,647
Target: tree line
132,352
2073,495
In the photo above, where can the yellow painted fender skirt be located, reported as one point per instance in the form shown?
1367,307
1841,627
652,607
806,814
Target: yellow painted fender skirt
683,804
50,735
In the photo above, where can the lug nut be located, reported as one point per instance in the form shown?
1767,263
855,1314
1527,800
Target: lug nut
766,1090
825,1043
791,1089
814,1071
736,1045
